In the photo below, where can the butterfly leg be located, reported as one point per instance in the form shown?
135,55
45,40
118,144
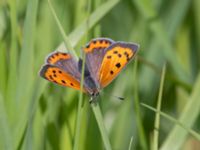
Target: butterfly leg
91,100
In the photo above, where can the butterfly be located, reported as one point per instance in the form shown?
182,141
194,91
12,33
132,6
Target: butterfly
104,60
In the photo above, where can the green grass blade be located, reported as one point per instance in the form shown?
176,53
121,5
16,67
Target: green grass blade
188,117
80,109
6,141
12,75
177,122
3,74
80,102
26,73
65,37
100,122
131,143
157,119
140,127
98,14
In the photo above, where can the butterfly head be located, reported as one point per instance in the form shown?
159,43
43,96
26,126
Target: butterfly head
94,96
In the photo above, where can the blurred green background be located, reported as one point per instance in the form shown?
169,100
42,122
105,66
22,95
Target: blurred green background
36,114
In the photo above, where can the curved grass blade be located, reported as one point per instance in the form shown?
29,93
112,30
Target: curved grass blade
177,122
65,37
188,117
99,13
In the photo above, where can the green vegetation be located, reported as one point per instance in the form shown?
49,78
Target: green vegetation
161,86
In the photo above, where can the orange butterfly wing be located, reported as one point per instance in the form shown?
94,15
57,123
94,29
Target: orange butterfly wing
117,56
61,68
58,76
95,51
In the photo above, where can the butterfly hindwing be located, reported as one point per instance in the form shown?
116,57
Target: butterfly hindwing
95,51
62,69
55,74
117,56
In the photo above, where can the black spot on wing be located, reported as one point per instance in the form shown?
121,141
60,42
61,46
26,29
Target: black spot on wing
63,81
118,65
119,55
51,77
108,56
115,52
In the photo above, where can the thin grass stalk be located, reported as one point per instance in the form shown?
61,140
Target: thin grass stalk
97,15
140,127
130,144
157,119
80,102
80,109
12,74
65,37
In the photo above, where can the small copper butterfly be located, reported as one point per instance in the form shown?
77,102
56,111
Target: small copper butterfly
104,60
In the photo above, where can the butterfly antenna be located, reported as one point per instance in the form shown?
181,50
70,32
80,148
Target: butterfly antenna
117,97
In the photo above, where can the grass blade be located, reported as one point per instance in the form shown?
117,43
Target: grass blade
131,143
140,127
177,122
98,14
157,119
99,118
65,37
3,74
188,117
6,140
12,74
25,81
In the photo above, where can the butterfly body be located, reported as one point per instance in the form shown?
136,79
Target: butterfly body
104,60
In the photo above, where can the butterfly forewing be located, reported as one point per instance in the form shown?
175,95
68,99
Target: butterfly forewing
117,56
55,57
95,51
